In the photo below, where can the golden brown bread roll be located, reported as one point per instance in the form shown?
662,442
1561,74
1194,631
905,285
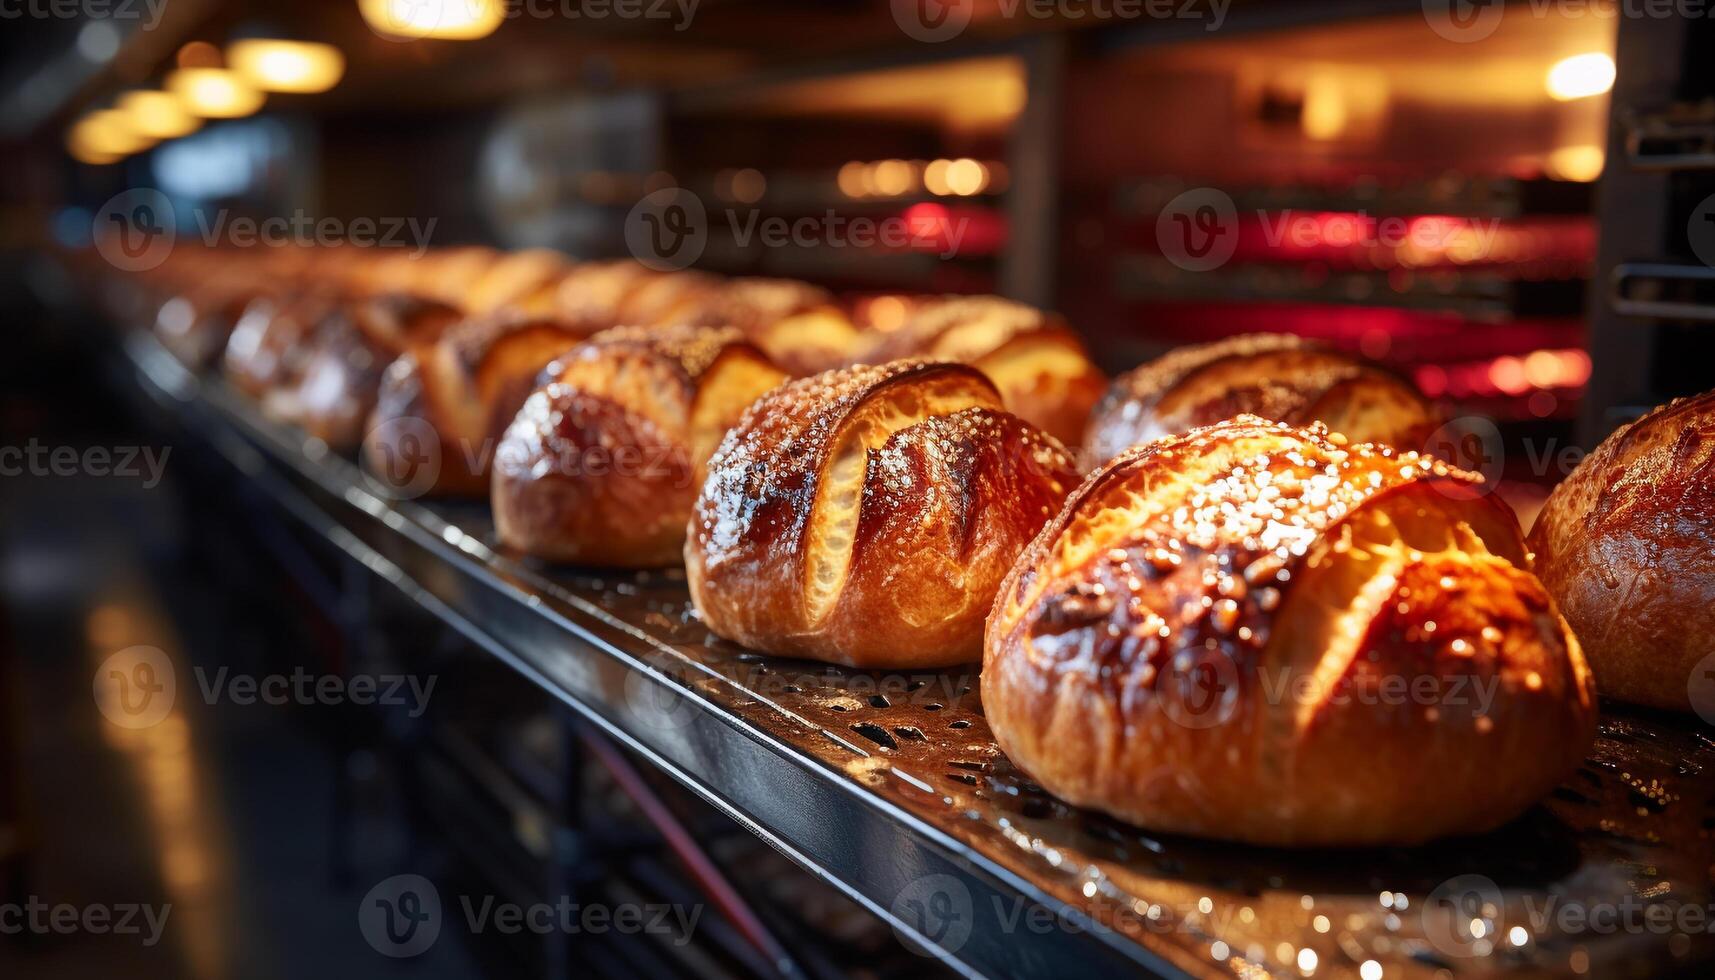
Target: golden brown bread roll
445,274
1038,363
866,515
1626,544
341,378
600,465
796,324
525,282
270,343
1276,376
462,391
1263,633
195,324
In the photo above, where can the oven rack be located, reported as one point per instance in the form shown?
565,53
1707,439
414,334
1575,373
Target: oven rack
890,786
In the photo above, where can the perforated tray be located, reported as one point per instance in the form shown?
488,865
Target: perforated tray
891,786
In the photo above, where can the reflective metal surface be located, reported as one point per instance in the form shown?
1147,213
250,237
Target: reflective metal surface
891,786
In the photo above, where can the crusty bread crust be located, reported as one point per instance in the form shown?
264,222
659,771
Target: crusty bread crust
1275,376
866,515
601,465
1262,633
1626,543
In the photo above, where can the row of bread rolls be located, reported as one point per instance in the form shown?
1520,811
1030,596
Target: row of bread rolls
1259,522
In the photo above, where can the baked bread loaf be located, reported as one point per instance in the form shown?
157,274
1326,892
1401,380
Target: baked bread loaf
1275,376
1263,633
601,465
333,398
462,391
270,343
866,515
194,325
1626,544
525,282
1038,363
796,324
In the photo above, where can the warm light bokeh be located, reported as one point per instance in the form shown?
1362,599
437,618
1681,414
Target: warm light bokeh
287,66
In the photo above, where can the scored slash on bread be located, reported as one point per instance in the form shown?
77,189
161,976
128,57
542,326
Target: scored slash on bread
1038,363
1274,376
602,463
466,387
866,515
1203,641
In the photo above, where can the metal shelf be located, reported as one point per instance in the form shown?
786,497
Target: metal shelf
891,787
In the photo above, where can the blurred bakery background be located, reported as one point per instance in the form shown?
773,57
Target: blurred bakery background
1500,201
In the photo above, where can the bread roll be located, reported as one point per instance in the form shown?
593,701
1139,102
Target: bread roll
796,324
866,515
462,391
334,397
1037,362
1626,544
1265,634
600,465
194,325
270,343
525,283
1275,376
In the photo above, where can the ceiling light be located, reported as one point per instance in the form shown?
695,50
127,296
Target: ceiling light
214,93
450,20
105,136
157,115
287,66
1581,76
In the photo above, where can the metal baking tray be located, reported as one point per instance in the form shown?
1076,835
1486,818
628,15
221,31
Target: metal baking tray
891,787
